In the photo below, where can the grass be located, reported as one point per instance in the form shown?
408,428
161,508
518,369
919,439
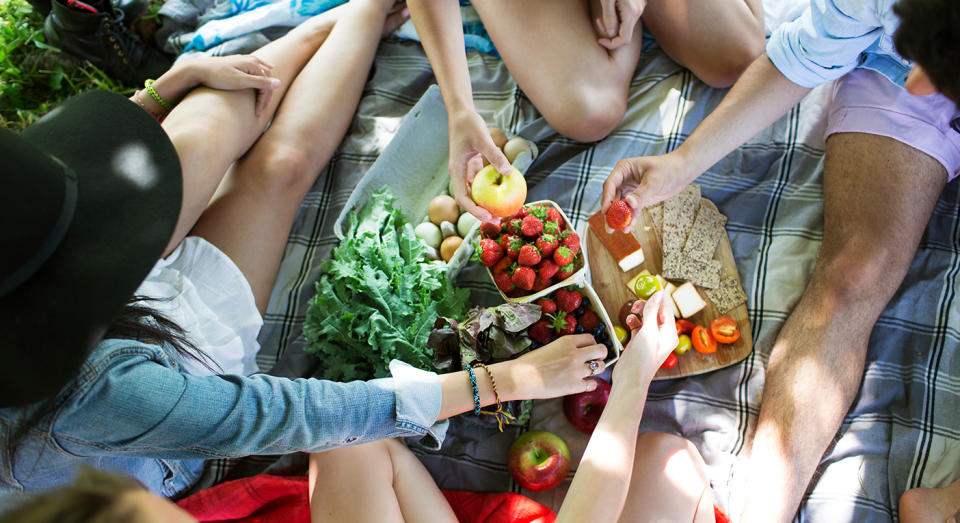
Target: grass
34,76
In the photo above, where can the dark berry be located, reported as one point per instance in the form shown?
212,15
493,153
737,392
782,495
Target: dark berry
579,311
579,329
607,342
585,301
534,345
604,335
596,332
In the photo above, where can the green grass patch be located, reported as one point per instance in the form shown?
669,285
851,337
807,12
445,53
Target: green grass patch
34,76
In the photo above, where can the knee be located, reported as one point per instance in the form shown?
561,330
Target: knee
723,69
586,114
660,446
281,167
856,276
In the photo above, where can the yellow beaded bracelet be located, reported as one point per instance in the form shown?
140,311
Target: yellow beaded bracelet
153,92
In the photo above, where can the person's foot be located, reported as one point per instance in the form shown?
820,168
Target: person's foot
931,505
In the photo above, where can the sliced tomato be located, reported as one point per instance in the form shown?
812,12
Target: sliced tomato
670,362
685,327
725,330
703,341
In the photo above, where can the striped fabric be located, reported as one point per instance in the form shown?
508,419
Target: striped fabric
903,429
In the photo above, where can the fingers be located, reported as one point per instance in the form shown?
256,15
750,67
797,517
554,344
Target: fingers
593,351
583,340
626,28
468,205
495,156
590,385
610,187
265,93
609,16
652,309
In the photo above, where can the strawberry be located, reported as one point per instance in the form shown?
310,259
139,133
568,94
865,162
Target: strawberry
547,243
549,306
547,269
566,271
511,245
570,240
541,332
564,323
529,255
553,215
490,230
568,300
515,225
502,265
524,277
589,320
538,211
563,255
541,283
551,228
504,281
523,212
531,226
619,215
488,252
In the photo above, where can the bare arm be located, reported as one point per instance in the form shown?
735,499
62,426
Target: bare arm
600,486
759,98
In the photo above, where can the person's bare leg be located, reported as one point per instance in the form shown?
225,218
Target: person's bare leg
878,197
250,216
379,481
930,505
578,86
210,129
669,482
715,39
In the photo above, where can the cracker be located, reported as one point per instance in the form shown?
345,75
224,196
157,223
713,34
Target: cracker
676,266
678,215
706,232
727,295
656,216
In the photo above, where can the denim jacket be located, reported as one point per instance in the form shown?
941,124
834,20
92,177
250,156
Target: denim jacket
833,37
132,410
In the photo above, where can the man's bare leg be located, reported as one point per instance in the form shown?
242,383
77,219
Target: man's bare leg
930,505
878,197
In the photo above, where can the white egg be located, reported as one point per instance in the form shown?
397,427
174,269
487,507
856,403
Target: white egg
465,223
514,147
429,233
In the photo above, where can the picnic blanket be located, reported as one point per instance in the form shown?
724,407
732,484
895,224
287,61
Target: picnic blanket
902,430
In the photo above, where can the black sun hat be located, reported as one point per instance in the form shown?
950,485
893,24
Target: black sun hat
89,197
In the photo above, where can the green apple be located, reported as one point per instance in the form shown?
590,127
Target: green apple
502,195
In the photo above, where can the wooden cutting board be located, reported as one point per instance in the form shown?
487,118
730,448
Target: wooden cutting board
610,283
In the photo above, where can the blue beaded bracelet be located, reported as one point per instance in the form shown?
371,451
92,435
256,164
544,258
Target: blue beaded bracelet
476,391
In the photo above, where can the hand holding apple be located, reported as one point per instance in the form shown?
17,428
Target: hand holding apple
470,144
538,460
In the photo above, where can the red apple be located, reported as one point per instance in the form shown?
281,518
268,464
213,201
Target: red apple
583,409
538,460
502,195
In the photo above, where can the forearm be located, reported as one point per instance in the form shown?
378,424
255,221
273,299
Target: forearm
600,486
760,97
440,27
458,392
172,86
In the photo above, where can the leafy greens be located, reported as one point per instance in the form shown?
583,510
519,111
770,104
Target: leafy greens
378,297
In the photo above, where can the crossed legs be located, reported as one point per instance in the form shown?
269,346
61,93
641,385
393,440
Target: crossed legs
580,87
323,65
878,197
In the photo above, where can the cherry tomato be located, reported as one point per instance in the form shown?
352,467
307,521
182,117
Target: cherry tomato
683,346
725,330
703,341
622,334
670,362
646,286
685,326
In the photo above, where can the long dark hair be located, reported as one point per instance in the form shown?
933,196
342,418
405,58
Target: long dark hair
137,321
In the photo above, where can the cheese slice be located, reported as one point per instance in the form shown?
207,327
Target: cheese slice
623,246
688,300
669,287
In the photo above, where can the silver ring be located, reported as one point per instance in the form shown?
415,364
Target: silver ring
596,366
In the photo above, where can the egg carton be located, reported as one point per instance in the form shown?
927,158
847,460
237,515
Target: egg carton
414,166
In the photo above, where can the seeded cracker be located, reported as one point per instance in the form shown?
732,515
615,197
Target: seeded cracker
728,295
705,234
678,215
676,266
656,216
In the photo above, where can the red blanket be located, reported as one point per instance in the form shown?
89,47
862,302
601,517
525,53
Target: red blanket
268,499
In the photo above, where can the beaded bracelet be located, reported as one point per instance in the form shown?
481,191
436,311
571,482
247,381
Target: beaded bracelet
501,415
158,117
153,92
476,391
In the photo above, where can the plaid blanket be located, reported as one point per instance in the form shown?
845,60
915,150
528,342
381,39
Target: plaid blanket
902,430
